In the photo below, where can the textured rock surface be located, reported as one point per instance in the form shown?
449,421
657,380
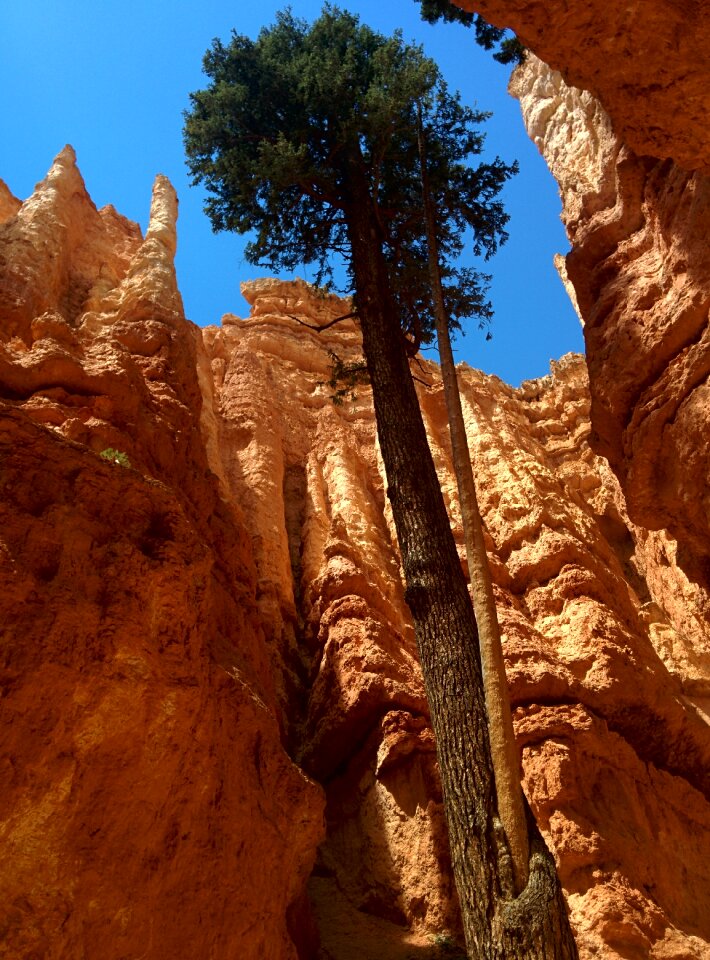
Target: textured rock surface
189,643
639,265
9,204
143,773
647,62
609,672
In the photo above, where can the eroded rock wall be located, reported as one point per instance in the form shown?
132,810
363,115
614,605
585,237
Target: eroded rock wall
623,128
198,648
646,61
608,678
144,777
639,266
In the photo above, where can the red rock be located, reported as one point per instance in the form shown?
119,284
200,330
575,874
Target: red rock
9,204
191,641
576,581
646,62
148,804
639,266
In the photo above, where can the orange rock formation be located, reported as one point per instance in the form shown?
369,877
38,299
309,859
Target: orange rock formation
200,648
633,171
647,62
147,800
207,654
639,266
609,717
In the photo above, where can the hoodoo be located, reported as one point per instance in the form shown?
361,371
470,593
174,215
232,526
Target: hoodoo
214,735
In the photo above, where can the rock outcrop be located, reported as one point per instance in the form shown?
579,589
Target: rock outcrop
609,679
639,266
639,271
9,204
648,63
631,152
204,650
144,777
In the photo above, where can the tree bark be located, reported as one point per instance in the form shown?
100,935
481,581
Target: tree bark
504,752
533,926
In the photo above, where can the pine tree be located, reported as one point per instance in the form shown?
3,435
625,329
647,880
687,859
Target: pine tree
508,49
308,137
504,754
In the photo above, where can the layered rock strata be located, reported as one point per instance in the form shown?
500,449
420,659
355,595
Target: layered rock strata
608,678
639,266
198,648
144,776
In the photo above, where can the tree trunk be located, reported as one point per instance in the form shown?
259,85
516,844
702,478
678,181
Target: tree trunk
504,752
533,926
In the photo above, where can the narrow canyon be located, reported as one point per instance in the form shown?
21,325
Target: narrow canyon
215,739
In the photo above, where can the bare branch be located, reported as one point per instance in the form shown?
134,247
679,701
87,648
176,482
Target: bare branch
330,323
419,364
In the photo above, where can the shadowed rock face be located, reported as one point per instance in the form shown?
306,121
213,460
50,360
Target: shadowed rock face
198,648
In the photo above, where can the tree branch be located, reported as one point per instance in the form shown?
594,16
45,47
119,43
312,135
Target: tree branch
320,194
319,329
420,365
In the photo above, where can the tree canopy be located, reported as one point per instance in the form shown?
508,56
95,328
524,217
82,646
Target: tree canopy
508,49
309,136
268,138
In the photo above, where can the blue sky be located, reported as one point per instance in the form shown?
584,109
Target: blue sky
113,79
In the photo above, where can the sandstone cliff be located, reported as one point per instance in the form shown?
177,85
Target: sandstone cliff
205,651
144,776
647,62
632,168
203,648
636,204
639,267
608,678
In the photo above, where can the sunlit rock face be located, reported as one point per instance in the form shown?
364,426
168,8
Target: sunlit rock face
9,204
639,269
646,61
639,265
205,650
631,151
608,665
144,776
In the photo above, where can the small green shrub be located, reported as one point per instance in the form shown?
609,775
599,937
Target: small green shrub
447,947
115,456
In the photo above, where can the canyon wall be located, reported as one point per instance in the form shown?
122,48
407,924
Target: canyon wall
609,670
639,267
636,205
631,153
147,799
648,63
215,736
215,740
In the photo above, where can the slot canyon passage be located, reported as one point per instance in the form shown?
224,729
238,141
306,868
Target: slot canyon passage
215,740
